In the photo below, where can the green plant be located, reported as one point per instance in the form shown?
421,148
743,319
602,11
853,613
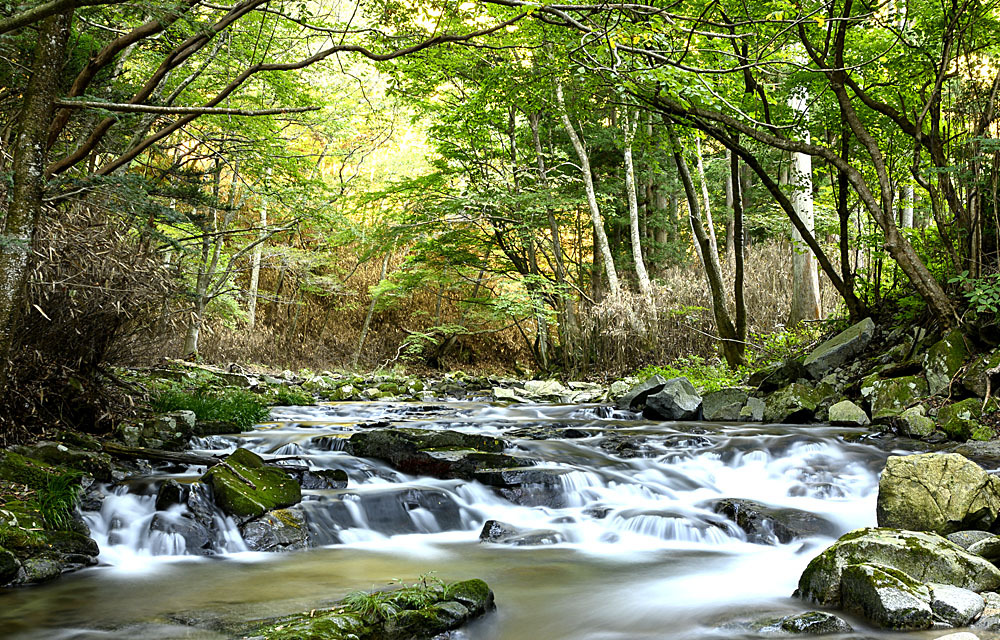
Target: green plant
58,498
704,375
242,409
983,293
374,606
284,396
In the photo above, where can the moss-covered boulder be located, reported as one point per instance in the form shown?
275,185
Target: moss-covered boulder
939,492
723,405
886,596
278,530
889,398
984,369
914,422
244,487
960,420
924,557
418,612
793,403
846,413
840,349
943,360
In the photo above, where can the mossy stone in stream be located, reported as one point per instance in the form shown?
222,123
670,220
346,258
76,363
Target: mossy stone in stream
793,403
246,488
889,398
960,420
9,566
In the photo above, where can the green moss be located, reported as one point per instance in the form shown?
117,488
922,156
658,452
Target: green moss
31,473
249,488
284,396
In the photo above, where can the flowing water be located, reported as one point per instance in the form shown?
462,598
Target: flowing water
642,554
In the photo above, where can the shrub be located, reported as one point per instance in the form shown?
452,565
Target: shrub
284,396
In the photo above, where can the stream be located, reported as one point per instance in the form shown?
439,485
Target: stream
640,553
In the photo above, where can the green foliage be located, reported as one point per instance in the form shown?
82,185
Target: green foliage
704,375
58,498
285,396
380,606
240,408
983,293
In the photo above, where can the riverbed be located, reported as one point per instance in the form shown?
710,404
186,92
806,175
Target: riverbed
639,552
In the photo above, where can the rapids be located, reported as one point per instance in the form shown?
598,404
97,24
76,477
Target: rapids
642,553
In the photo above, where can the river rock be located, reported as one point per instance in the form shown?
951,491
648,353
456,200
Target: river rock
984,368
635,399
913,423
777,375
924,557
846,413
889,398
9,567
753,410
170,493
960,420
765,524
545,390
198,536
278,530
527,486
507,395
244,487
497,532
988,548
886,596
678,400
939,492
320,478
814,623
955,606
56,453
723,405
966,539
840,349
990,618
943,360
441,454
795,403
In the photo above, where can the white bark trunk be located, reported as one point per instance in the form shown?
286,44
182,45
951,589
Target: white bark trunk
600,238
633,209
906,219
705,197
805,303
255,265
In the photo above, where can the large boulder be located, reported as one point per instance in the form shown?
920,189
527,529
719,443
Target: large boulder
914,422
889,398
954,606
753,410
635,399
723,405
939,492
278,530
777,375
960,420
840,349
983,370
244,487
794,403
924,557
678,400
846,413
771,525
441,454
943,360
886,596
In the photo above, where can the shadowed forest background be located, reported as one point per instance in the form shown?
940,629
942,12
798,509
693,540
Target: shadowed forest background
498,186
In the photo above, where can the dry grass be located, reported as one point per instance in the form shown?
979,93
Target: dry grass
620,337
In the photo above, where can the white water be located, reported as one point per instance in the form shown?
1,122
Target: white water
641,547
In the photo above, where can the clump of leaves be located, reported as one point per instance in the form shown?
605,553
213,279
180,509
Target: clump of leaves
284,396
708,376
58,498
240,408
375,606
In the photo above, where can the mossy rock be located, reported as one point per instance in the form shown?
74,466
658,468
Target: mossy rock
253,489
943,360
960,420
9,567
889,398
914,423
840,349
924,557
939,492
886,596
976,377
793,403
33,474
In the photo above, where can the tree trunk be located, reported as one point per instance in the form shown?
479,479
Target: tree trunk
370,313
633,209
906,217
732,348
255,265
28,168
705,196
737,252
805,303
600,238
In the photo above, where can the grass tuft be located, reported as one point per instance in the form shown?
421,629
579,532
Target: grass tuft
242,409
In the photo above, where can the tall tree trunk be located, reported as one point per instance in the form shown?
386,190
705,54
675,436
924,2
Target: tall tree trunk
705,196
255,258
370,313
28,168
805,303
645,289
737,253
600,238
732,348
906,212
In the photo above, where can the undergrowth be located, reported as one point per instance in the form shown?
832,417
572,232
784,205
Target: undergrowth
243,409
